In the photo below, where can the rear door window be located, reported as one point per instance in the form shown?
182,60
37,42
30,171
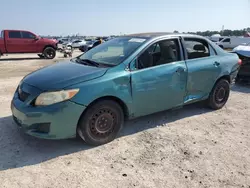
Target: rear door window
196,48
15,35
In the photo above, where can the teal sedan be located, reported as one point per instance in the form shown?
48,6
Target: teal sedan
124,78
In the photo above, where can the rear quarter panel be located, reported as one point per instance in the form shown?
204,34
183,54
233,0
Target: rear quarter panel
229,62
229,65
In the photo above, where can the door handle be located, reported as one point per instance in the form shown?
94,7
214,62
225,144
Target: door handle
216,63
180,70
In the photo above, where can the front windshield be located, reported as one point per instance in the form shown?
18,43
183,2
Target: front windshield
115,51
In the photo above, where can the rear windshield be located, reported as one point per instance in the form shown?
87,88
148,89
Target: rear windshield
2,33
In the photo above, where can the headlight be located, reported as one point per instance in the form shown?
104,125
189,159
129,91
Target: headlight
48,98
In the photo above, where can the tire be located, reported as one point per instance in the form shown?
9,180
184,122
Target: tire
49,53
101,122
219,95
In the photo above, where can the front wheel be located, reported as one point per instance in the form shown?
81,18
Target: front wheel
101,122
49,53
219,95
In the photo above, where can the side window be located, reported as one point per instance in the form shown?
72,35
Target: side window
27,35
196,48
227,40
15,34
162,52
77,41
2,33
155,48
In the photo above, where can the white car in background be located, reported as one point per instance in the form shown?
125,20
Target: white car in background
76,43
232,42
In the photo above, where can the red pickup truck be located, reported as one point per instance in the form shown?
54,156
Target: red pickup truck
17,41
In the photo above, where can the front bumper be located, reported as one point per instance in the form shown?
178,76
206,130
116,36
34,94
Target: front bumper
57,121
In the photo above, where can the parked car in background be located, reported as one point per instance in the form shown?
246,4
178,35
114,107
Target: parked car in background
89,45
232,42
124,78
216,39
76,43
18,41
63,40
243,52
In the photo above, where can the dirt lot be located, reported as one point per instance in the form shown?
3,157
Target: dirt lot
190,147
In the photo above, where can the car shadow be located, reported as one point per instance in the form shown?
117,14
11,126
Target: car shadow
163,118
242,86
19,58
19,150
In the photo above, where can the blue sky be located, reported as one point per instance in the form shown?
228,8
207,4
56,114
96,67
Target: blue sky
105,17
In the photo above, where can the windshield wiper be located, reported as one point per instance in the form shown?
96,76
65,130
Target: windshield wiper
91,62
87,62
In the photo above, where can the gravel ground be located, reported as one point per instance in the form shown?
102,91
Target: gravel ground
190,147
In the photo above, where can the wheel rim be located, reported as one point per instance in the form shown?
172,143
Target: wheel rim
221,95
103,123
50,53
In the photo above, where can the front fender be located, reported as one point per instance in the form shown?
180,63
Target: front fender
114,84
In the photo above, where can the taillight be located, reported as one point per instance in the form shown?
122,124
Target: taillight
239,61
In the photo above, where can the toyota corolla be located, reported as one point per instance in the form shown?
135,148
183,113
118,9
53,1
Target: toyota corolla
124,78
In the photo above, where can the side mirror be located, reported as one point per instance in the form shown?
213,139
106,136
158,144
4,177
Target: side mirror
36,38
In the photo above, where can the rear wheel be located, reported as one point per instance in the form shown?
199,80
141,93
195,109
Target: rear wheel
49,53
101,122
219,95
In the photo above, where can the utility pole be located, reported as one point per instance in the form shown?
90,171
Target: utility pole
222,30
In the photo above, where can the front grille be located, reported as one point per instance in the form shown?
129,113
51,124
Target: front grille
40,128
22,95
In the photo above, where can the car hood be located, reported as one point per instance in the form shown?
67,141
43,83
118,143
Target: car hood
62,74
242,50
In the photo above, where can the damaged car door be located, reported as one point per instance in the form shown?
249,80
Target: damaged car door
159,78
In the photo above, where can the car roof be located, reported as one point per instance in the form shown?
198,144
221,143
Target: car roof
160,34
